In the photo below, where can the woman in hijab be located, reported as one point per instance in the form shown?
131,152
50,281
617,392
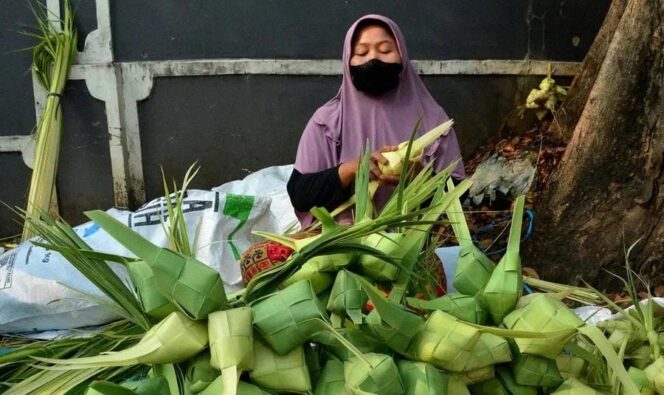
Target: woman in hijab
380,99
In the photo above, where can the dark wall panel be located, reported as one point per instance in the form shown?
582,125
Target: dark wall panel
84,173
14,182
447,29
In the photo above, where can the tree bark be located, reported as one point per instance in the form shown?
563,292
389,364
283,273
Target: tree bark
609,188
566,118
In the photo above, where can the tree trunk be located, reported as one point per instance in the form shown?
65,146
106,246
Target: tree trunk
609,188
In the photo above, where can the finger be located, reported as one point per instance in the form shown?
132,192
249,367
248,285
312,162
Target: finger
389,148
389,179
377,157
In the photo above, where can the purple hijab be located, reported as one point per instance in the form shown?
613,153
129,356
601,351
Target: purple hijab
339,129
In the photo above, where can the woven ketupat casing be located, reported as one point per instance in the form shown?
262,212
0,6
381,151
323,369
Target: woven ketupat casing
282,373
381,377
473,269
153,302
347,297
544,313
289,317
231,338
504,374
445,342
376,268
574,387
332,381
492,386
360,339
421,378
489,350
535,370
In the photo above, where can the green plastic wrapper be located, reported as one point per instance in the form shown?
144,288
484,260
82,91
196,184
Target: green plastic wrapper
464,307
347,297
153,302
445,342
504,374
332,380
421,378
189,284
544,313
281,373
231,343
380,378
505,287
376,268
289,317
492,386
574,387
489,350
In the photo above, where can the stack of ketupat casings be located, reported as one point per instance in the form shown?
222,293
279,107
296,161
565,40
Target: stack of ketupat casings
290,332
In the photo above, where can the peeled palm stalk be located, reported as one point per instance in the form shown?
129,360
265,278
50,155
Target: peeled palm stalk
492,386
570,366
282,373
574,387
421,378
544,314
445,342
153,302
390,244
395,158
289,317
464,307
332,380
200,372
489,350
640,378
505,286
231,344
477,376
380,377
504,375
175,339
474,268
347,298
191,285
655,372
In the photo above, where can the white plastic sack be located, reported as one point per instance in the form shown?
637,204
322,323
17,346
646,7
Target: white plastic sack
37,286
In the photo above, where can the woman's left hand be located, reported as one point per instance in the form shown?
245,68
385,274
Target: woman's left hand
376,159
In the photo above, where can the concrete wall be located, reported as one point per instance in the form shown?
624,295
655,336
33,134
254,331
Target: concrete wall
236,124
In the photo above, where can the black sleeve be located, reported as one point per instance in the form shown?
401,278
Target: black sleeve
321,189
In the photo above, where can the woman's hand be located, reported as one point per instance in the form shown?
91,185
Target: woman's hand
376,159
348,170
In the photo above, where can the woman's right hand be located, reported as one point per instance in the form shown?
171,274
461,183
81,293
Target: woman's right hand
348,170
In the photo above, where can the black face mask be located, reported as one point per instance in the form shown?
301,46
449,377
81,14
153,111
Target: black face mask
376,77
